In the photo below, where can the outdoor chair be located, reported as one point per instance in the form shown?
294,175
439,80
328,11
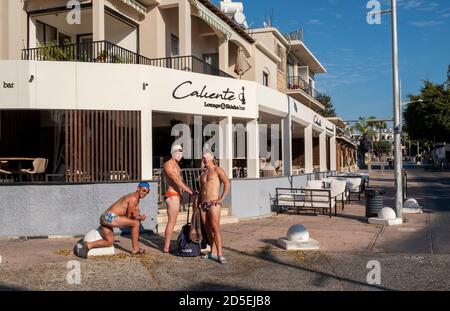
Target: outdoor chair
339,190
325,200
38,170
354,186
269,171
317,198
314,184
287,198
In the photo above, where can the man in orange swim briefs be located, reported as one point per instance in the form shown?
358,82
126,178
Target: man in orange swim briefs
173,195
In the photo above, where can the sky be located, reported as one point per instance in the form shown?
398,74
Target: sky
357,55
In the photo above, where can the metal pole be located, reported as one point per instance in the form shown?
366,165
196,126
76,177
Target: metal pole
418,149
397,127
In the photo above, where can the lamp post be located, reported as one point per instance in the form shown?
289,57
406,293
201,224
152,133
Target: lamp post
396,110
397,128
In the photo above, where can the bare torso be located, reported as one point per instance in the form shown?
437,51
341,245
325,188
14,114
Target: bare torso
210,185
120,207
171,185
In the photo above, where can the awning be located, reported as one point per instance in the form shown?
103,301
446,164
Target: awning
136,5
242,64
213,20
301,51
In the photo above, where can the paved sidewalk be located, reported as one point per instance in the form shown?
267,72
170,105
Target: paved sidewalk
413,256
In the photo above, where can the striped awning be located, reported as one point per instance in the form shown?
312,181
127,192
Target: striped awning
136,5
212,19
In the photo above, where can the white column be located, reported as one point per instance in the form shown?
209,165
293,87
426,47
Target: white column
13,32
146,145
323,151
32,41
226,145
98,20
184,27
308,134
154,21
223,54
286,141
252,149
333,157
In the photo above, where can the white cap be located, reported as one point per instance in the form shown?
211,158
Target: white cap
176,148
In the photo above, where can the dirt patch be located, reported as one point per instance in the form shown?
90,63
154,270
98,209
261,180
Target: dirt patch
63,252
112,258
149,262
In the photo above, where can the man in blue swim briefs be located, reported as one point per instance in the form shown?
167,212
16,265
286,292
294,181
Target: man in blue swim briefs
123,213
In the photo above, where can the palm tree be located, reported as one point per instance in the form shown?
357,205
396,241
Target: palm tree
367,133
378,125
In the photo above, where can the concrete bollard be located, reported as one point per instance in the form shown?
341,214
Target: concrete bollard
92,236
411,206
297,238
386,217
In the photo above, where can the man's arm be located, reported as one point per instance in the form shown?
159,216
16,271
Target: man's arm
132,208
133,211
226,183
175,177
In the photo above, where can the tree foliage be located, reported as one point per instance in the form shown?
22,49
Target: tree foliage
367,132
429,120
382,147
329,111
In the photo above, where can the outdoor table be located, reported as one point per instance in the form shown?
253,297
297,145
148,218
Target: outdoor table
19,160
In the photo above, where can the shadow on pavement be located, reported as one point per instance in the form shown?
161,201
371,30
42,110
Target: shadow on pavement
267,256
7,288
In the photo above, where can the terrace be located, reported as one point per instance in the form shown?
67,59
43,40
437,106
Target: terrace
107,52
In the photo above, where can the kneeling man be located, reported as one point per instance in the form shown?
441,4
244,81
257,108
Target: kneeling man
211,203
123,213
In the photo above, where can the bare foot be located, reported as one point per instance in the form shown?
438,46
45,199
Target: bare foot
139,251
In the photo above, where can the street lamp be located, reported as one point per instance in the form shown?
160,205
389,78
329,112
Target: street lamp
397,107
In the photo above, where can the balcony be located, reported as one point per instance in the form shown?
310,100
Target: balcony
107,52
189,63
305,93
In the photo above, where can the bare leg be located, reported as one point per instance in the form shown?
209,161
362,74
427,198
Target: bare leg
108,234
135,236
214,228
173,208
209,235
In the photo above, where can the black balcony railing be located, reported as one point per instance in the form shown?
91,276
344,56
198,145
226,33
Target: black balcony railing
297,83
107,52
92,52
189,63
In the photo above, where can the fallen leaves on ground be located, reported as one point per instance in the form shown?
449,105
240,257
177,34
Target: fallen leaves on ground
63,252
298,255
116,257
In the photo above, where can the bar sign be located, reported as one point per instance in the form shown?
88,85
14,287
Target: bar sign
7,85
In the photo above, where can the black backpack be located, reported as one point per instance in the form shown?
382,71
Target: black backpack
186,247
